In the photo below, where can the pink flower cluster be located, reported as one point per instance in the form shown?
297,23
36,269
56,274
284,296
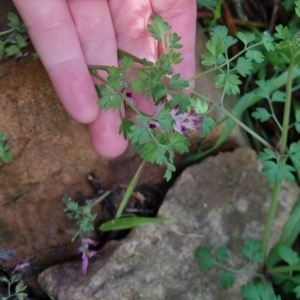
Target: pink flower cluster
86,253
183,123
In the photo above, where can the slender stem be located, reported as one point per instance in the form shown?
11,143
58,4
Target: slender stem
270,217
7,31
287,106
282,149
132,107
129,190
222,65
284,269
240,271
96,67
99,199
274,115
236,120
96,75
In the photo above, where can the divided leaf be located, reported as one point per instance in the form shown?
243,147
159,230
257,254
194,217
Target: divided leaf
261,114
125,127
255,55
108,99
246,38
276,172
229,83
159,27
226,280
258,292
207,125
203,254
173,40
221,253
252,250
267,41
244,66
294,152
179,142
288,255
176,83
14,20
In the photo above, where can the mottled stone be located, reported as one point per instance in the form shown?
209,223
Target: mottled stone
222,201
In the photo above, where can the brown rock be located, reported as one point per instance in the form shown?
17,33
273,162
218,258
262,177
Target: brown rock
222,201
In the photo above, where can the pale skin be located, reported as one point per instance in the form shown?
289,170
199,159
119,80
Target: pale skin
70,34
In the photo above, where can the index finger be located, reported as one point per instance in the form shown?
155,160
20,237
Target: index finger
55,38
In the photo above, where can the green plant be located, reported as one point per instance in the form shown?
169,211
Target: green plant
281,264
157,136
85,219
16,289
12,41
5,154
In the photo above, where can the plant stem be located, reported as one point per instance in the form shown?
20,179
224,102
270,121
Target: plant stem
270,217
99,199
236,120
7,31
96,75
282,149
284,269
130,189
240,271
222,65
287,107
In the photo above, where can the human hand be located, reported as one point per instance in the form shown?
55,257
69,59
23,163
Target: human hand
70,34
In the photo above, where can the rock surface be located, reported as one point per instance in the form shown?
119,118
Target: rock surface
222,201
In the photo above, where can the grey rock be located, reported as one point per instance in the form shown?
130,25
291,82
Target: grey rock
222,201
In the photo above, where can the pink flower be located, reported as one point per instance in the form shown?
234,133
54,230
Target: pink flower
86,253
185,122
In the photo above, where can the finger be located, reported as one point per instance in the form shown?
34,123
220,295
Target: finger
54,36
130,22
181,15
97,38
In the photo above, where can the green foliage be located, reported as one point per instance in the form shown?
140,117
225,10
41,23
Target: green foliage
288,255
204,257
208,4
261,114
108,98
5,154
226,280
258,291
159,28
81,214
207,126
275,171
125,127
294,153
297,9
16,288
12,41
297,115
252,250
221,254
